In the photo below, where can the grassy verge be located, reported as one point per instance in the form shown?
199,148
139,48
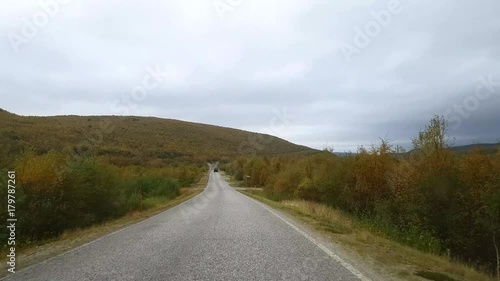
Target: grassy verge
389,258
42,250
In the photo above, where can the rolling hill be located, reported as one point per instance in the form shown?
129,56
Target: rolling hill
489,148
135,140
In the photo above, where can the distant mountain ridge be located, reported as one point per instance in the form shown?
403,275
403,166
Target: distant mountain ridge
489,148
135,140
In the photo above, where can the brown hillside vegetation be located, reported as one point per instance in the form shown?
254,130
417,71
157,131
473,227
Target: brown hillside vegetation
125,141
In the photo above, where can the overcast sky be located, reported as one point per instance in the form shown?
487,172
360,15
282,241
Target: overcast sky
315,72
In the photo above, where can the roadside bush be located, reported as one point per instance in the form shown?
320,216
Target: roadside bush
430,198
54,195
158,187
56,192
4,233
92,193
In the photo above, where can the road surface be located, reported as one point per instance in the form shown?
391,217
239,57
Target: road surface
218,235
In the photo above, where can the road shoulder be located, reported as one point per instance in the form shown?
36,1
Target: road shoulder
376,257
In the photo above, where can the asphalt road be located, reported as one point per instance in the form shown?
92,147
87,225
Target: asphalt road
218,235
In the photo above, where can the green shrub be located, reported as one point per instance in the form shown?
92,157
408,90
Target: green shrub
58,192
158,187
430,199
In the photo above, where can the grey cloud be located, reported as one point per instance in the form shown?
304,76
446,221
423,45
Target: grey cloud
264,55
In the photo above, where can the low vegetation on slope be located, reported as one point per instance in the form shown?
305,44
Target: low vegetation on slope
433,199
125,141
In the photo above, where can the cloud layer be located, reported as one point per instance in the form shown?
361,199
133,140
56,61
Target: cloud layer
347,73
